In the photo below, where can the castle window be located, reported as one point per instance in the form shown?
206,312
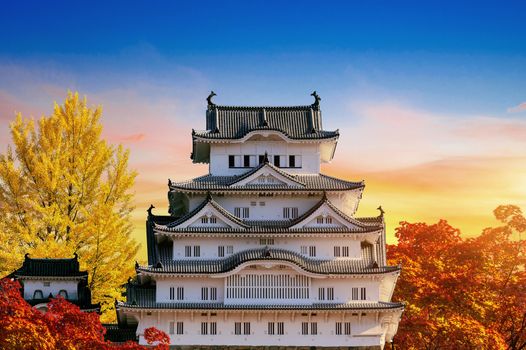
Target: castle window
204,220
319,220
270,329
330,293
312,250
213,328
321,293
338,328
237,328
63,293
304,328
292,161
242,212
347,328
362,293
276,161
188,251
281,328
345,251
304,249
38,294
172,327
197,250
336,251
261,204
328,220
180,293
266,241
204,328
221,251
213,220
246,328
246,161
261,158
172,293
47,284
290,213
180,328
229,249
314,328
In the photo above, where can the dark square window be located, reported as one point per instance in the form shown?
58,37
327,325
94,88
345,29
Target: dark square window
276,161
231,161
292,161
246,161
261,158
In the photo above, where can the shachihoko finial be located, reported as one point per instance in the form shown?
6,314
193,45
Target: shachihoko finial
150,210
382,211
317,99
265,158
209,99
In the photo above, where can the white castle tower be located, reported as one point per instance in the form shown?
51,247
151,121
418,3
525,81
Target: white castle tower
264,250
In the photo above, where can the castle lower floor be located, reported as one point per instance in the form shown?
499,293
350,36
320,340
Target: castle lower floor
267,329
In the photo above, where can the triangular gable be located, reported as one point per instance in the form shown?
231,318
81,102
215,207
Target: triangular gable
267,175
208,209
330,217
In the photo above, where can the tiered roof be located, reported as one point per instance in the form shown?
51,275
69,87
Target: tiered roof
270,226
366,265
304,182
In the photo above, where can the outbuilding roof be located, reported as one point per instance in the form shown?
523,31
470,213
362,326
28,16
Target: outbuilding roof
50,268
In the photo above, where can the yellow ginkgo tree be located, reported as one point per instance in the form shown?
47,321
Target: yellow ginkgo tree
65,190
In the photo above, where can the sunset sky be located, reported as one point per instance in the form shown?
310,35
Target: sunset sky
430,99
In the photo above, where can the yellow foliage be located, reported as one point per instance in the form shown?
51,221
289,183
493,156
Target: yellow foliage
63,189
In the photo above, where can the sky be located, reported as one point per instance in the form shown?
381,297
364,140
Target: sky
429,97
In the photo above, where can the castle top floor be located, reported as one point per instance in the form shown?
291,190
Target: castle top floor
237,138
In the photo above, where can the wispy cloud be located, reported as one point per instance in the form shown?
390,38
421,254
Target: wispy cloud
519,108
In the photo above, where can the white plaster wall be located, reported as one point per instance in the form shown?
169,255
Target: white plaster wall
324,246
342,288
365,330
192,289
310,154
55,286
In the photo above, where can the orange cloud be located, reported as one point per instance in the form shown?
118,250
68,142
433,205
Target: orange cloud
519,108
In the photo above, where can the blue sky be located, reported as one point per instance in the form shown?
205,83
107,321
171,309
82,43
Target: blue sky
429,96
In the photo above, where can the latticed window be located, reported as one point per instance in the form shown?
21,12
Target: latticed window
330,293
347,328
338,328
304,328
336,251
221,251
345,251
313,328
270,329
246,328
267,286
213,220
213,328
180,293
281,328
363,295
237,328
204,328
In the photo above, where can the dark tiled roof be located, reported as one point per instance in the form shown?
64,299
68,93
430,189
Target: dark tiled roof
366,265
313,182
144,297
296,122
215,205
271,226
50,268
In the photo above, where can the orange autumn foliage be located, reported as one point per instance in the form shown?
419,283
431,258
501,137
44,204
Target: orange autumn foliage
462,293
63,327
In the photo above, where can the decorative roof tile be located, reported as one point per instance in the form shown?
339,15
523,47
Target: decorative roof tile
235,122
352,266
312,182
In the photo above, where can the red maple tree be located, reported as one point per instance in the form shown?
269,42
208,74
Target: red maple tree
462,293
63,326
